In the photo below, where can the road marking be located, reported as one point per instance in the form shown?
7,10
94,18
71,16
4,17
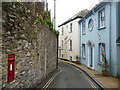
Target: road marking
91,83
50,81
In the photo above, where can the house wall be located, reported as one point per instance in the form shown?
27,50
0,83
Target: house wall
31,40
67,36
107,36
113,39
118,31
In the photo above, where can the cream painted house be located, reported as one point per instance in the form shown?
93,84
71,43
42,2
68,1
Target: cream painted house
69,38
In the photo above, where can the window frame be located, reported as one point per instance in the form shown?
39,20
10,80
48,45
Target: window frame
62,31
83,27
91,22
101,18
62,45
83,51
70,48
71,27
100,51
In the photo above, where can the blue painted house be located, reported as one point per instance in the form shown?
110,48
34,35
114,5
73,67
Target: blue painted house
99,29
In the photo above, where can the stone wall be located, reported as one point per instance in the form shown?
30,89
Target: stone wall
0,45
27,36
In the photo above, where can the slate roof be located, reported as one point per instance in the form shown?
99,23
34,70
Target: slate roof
81,14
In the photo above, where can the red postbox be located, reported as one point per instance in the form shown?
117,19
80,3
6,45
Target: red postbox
11,67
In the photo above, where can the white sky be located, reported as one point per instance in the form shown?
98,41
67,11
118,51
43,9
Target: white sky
65,9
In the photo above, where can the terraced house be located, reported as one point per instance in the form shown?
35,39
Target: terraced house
69,40
98,28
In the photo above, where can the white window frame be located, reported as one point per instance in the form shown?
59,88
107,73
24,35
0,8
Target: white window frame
70,48
62,30
91,24
102,48
102,18
62,45
83,27
71,27
83,51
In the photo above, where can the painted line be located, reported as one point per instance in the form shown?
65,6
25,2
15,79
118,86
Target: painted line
91,83
50,81
98,83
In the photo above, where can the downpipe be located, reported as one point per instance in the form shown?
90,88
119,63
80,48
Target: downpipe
110,35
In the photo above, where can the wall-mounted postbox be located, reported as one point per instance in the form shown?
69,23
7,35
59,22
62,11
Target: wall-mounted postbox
11,67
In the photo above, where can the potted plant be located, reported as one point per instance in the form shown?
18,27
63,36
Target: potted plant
105,65
77,59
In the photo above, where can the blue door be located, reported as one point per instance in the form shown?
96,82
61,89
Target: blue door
91,56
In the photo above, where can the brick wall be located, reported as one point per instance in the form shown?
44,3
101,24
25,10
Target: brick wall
33,43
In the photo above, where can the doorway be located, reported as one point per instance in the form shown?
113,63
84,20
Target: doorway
91,56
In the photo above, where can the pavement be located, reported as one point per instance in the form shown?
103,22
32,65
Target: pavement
70,77
104,81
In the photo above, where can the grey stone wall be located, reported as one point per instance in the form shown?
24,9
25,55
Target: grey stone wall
27,36
0,45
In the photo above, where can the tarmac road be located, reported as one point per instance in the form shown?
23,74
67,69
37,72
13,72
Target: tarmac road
70,77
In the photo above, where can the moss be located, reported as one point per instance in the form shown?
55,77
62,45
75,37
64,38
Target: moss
50,24
56,32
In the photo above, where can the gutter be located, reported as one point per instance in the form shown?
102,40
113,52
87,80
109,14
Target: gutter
57,52
70,20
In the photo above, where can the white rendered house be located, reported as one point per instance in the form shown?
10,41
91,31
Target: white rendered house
69,38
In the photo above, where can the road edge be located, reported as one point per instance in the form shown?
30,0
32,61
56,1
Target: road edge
98,83
45,80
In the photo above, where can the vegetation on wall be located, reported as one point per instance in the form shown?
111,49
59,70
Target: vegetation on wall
50,24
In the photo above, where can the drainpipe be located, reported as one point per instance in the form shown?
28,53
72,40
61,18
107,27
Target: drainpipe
54,14
57,53
110,35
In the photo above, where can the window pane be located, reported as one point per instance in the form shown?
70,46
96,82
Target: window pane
71,27
101,19
83,50
101,50
83,27
70,44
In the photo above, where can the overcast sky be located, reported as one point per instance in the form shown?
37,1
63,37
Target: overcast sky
65,9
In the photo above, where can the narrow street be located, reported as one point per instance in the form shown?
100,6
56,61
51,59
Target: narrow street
70,77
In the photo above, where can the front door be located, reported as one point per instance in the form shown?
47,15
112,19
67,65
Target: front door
91,56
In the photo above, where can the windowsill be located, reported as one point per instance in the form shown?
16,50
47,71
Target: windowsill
101,28
70,32
83,33
83,58
70,50
99,62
